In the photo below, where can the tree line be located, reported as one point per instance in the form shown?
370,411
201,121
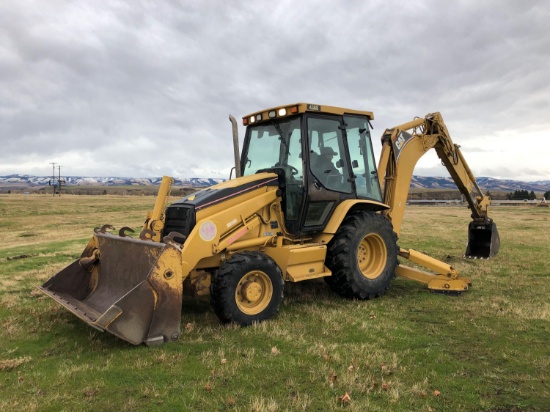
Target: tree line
524,194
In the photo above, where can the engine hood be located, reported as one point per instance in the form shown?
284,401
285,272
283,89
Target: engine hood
227,190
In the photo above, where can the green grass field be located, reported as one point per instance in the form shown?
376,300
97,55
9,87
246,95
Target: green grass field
411,350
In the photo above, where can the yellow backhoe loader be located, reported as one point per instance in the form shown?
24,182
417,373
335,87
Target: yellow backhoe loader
307,202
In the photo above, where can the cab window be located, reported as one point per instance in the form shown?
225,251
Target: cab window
326,154
362,157
279,145
269,146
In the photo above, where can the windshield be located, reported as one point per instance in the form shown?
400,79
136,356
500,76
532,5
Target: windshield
277,144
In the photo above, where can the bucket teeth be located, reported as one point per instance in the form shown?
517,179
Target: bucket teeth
146,234
174,237
122,231
104,228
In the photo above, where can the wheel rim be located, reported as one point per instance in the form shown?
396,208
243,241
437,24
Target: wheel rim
253,292
372,256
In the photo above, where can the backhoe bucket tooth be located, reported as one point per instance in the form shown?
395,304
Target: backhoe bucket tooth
133,289
483,240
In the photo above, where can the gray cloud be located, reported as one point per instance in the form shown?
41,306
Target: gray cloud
144,88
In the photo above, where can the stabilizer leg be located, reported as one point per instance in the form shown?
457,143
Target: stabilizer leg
445,280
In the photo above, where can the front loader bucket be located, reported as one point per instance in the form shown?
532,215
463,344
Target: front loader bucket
483,240
128,287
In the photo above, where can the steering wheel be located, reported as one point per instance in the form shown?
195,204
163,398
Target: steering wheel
288,168
293,170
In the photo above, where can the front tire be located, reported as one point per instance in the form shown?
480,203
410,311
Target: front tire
362,256
247,288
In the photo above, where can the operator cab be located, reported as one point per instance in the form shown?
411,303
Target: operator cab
322,154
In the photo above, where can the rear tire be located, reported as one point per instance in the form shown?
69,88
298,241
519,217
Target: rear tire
247,288
362,256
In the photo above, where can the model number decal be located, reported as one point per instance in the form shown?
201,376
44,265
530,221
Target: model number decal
400,142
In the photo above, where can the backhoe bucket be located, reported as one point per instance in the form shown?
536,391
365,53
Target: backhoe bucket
128,287
483,240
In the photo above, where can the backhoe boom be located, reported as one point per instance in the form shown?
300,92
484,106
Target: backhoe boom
402,147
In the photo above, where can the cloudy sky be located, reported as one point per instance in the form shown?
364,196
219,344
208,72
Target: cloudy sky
144,88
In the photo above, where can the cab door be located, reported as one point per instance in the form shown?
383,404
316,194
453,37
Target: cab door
277,147
329,177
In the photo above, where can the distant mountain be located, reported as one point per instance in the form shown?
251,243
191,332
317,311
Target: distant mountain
27,180
423,182
486,183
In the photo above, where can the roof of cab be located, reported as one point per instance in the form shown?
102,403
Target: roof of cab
303,108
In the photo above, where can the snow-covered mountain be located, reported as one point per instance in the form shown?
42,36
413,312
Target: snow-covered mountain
27,180
425,182
486,183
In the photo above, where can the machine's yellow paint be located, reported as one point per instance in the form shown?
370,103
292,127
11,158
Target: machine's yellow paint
253,293
429,262
198,282
300,108
440,283
155,219
300,262
340,213
372,256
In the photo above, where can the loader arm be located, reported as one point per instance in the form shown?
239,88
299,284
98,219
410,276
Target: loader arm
154,221
402,147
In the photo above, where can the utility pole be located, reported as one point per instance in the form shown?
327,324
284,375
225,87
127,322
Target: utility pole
53,176
59,180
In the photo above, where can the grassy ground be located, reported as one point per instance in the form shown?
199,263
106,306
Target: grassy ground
488,350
